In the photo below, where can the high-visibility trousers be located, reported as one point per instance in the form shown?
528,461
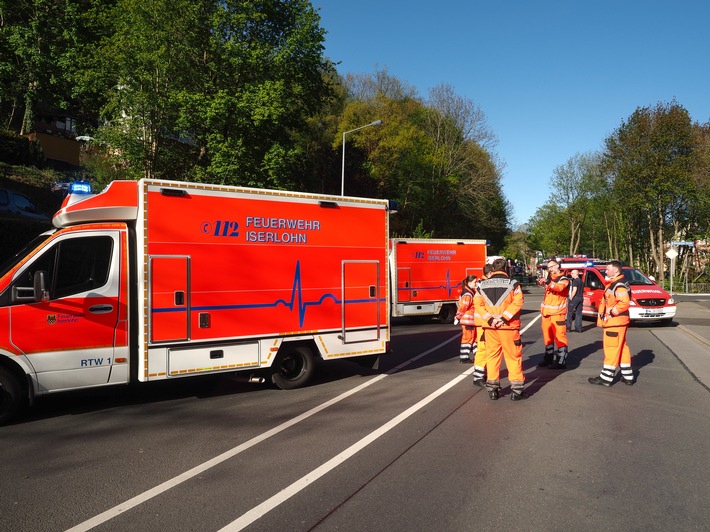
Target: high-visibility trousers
504,343
479,363
468,342
554,330
616,353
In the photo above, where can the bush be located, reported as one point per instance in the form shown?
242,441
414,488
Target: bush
17,150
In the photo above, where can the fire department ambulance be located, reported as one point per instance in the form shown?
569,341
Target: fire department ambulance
427,275
152,280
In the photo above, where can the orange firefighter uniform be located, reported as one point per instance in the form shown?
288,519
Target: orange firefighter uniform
614,320
499,300
554,321
465,317
479,362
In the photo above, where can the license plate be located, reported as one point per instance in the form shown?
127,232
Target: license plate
653,313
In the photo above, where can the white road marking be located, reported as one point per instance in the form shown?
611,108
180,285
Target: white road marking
285,494
191,473
262,509
259,511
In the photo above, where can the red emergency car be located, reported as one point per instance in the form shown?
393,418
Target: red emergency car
648,300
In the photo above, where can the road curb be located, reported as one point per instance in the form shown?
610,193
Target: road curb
699,338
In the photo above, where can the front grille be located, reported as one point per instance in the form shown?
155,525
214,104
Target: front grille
651,302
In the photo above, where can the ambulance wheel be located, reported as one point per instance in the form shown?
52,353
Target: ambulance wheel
447,314
10,396
293,368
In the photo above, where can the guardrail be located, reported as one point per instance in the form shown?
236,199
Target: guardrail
690,288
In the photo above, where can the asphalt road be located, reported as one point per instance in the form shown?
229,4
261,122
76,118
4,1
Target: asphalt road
413,446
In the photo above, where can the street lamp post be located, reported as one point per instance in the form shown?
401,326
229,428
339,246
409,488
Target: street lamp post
342,178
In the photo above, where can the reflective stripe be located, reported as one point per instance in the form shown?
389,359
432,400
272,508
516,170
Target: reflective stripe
554,307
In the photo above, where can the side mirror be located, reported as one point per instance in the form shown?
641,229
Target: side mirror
40,290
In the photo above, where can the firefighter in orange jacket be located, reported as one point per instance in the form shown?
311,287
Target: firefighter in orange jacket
614,320
464,316
554,317
499,300
479,362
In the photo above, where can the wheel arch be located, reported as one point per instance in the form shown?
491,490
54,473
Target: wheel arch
18,370
294,363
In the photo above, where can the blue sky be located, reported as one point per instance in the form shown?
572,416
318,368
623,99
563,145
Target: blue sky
554,78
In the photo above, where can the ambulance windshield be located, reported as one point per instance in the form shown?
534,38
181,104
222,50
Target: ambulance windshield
10,263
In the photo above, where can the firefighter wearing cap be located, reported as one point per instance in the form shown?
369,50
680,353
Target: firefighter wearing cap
499,300
465,316
554,317
614,320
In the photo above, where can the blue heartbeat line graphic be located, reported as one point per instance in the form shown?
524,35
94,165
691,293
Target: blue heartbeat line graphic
448,286
296,301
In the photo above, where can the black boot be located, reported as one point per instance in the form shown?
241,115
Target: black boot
598,380
561,359
548,358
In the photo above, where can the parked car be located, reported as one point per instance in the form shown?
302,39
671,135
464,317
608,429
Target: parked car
18,206
649,301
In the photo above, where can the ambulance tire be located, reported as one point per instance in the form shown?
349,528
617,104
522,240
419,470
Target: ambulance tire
10,396
447,314
294,366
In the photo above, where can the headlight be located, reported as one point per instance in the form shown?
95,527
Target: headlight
633,303
671,302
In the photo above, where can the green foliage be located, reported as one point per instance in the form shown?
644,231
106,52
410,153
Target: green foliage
420,232
651,185
17,150
429,156
238,92
548,230
653,158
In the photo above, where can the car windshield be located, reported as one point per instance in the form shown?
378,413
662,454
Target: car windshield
635,277
8,264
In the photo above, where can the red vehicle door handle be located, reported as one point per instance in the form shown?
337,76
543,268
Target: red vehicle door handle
101,309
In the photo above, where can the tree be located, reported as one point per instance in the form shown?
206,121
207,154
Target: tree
32,39
547,230
214,91
572,185
652,157
427,155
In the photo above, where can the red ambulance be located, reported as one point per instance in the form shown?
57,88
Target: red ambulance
152,280
427,275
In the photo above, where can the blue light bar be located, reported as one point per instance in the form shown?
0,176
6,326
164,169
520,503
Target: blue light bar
80,187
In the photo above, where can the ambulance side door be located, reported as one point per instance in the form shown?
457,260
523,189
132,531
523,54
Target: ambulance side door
69,336
593,291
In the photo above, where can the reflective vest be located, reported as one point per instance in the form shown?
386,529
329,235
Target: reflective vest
465,312
614,306
499,297
556,292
